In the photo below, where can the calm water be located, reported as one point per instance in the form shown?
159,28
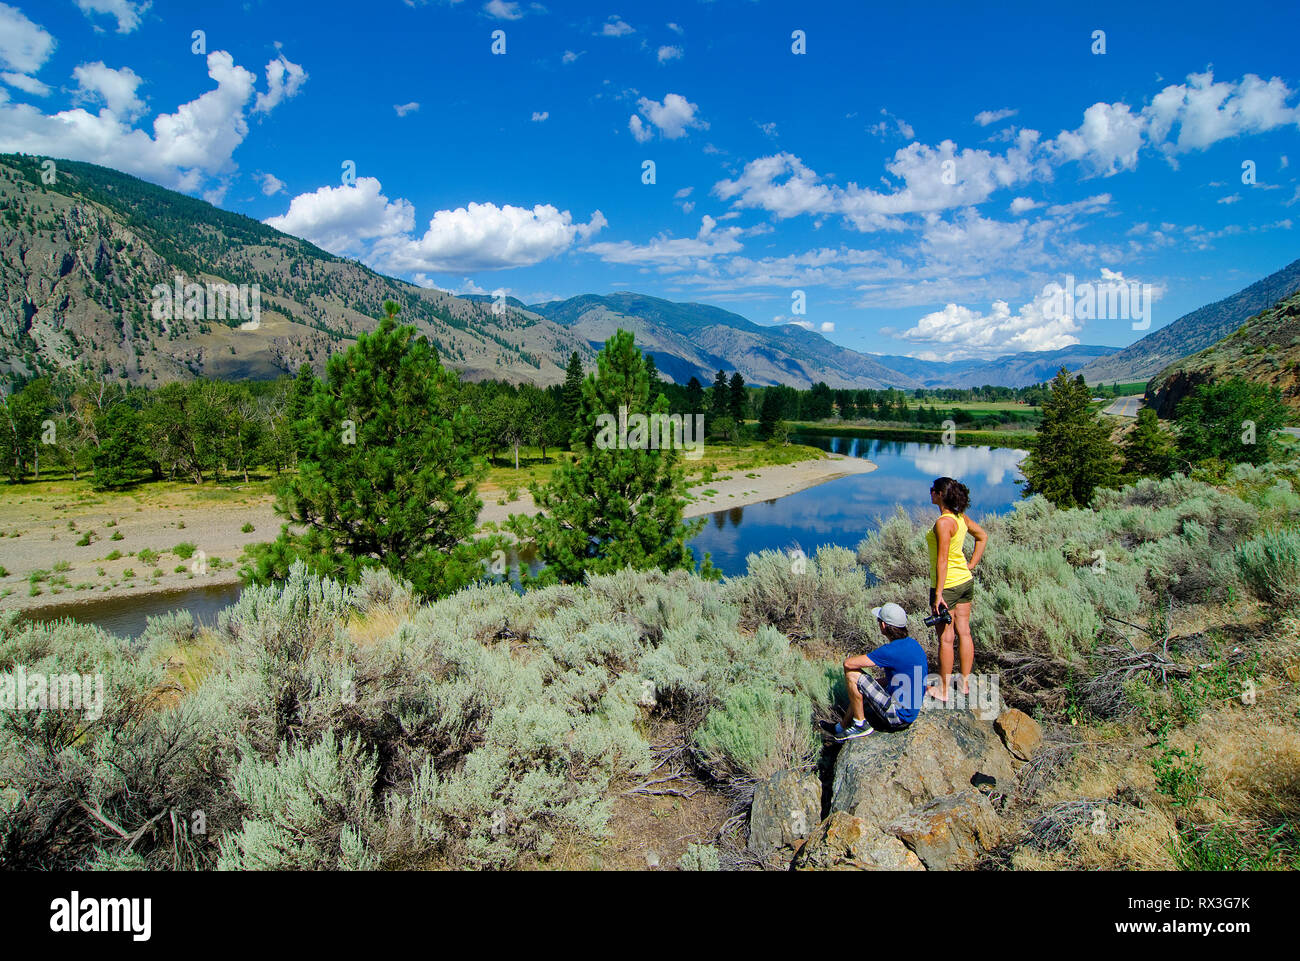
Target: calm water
839,512
843,511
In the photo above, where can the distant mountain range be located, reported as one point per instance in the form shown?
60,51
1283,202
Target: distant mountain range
79,259
1192,332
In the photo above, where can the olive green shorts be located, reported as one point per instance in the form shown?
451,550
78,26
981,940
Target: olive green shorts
961,594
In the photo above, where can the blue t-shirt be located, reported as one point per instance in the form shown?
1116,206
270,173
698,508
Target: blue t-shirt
905,669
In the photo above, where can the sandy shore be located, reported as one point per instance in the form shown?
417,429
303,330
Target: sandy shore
35,532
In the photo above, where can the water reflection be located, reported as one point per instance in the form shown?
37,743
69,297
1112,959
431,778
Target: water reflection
845,510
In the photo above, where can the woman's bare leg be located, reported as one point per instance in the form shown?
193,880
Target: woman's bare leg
940,692
961,621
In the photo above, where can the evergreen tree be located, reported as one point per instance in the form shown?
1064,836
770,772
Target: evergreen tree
383,483
1148,449
299,397
652,378
614,506
1072,454
1231,420
737,401
719,396
572,398
694,397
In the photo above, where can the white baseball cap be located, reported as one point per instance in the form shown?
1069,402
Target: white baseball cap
891,614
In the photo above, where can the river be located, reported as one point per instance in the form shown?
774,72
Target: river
839,512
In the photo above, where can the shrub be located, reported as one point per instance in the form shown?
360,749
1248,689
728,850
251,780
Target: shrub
700,857
146,556
184,550
758,731
1270,567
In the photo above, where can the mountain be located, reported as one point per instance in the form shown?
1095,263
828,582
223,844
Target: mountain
1193,332
1266,348
697,340
80,258
1010,370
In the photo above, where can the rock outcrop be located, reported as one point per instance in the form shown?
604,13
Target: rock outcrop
922,797
844,843
786,808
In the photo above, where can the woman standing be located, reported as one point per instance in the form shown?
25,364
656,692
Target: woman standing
950,577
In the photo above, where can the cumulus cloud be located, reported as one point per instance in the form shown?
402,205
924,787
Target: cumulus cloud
24,48
404,108
196,141
1106,142
1039,324
541,117
271,184
126,12
115,89
1205,112
487,237
283,81
667,53
672,118
338,218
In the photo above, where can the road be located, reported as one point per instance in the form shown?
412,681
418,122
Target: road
1125,406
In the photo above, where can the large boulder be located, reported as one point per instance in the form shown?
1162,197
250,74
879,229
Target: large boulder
884,776
949,832
1019,732
786,808
845,843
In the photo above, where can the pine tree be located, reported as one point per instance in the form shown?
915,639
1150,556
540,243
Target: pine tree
299,398
652,378
612,507
1148,449
571,400
383,483
1072,454
694,397
719,396
737,400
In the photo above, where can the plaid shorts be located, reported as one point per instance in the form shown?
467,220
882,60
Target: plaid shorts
878,705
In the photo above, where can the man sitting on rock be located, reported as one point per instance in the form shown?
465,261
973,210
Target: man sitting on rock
895,704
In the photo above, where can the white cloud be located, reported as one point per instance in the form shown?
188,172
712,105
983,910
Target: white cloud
669,53
541,117
271,184
24,48
615,27
126,12
487,237
404,108
673,117
338,218
116,89
676,29
283,81
1106,142
891,123
1206,112
1230,199
570,56
682,251
986,117
503,10
25,83
827,327
197,140
1021,204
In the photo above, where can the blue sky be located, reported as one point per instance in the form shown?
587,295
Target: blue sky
920,175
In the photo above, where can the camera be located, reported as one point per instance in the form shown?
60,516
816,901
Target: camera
943,617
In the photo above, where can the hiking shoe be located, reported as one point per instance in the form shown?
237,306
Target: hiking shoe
856,729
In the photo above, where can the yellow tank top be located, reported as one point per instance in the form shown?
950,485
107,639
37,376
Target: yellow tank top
958,572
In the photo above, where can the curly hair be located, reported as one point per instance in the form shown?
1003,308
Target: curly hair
953,494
